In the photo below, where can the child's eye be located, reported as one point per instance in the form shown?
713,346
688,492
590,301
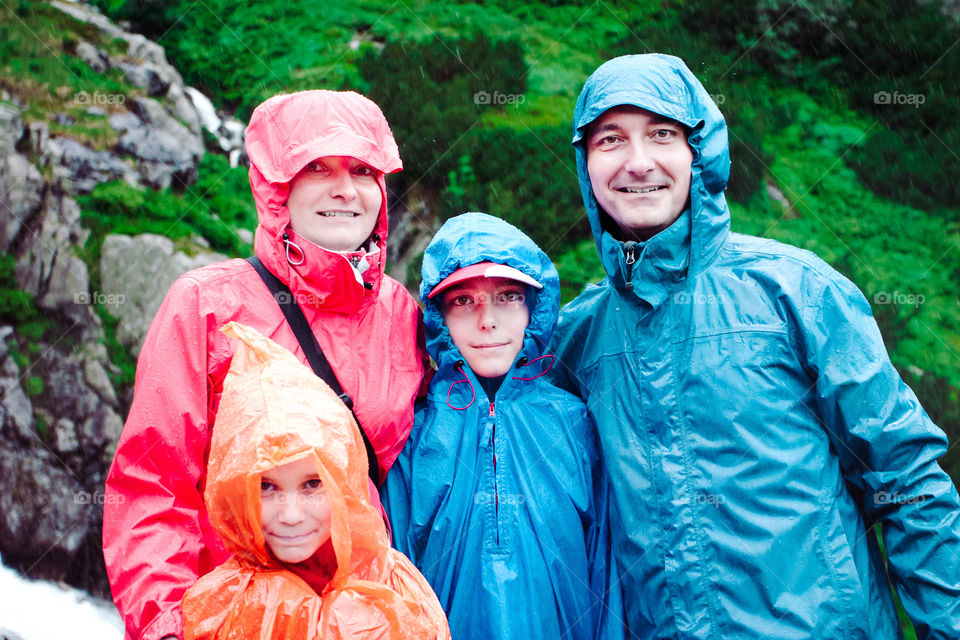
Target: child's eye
460,301
313,484
266,486
510,297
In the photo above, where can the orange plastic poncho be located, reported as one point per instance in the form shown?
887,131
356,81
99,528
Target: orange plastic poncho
274,410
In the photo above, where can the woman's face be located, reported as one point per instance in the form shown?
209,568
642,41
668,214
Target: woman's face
334,202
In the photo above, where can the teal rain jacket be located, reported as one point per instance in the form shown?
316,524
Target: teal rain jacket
502,502
752,423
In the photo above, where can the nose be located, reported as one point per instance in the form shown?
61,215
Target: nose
640,161
291,511
343,186
486,315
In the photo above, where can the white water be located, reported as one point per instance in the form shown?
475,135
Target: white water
38,610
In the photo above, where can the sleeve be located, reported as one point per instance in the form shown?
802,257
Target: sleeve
152,535
604,574
888,448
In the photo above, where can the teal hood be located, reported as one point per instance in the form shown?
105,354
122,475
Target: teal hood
477,237
663,85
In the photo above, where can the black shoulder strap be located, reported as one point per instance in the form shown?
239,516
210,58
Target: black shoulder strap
311,349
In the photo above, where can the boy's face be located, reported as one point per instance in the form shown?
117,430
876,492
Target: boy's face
295,514
486,318
334,202
639,166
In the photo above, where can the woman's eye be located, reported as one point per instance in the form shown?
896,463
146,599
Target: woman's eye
314,167
364,170
510,297
460,301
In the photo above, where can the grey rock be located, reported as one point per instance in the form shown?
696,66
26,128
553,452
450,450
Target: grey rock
86,168
140,270
16,410
44,507
166,149
124,121
38,134
183,108
144,49
11,129
96,376
148,76
96,59
63,437
21,196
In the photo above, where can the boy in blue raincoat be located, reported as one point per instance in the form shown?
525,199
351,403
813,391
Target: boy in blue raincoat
752,423
499,496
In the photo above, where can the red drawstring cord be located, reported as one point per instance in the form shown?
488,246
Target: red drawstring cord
459,367
542,372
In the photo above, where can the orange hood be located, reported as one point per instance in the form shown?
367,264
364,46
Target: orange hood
274,410
285,133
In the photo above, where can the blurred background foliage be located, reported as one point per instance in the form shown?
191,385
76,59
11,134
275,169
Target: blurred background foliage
843,118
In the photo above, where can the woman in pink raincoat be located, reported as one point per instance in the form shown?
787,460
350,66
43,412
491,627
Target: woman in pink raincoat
317,166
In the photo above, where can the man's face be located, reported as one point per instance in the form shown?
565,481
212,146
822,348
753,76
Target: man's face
639,166
486,318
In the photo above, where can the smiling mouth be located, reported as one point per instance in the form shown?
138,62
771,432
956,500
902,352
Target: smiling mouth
338,214
641,189
490,346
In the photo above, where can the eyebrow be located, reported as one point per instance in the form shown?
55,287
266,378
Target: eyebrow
655,119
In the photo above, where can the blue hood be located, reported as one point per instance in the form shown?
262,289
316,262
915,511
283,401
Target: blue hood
477,237
663,85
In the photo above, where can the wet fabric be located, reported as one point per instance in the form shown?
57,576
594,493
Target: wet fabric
752,423
157,537
501,501
274,411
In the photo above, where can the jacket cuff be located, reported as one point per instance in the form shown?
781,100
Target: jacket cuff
168,623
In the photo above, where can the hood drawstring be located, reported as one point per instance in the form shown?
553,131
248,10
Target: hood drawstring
290,243
523,363
459,367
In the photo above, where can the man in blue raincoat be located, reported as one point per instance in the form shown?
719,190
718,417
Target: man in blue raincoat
752,423
499,495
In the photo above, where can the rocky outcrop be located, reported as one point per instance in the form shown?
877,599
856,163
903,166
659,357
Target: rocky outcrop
138,271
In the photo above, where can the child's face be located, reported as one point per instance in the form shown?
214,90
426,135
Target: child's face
334,202
486,318
295,514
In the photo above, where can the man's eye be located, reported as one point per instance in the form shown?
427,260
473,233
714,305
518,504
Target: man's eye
664,134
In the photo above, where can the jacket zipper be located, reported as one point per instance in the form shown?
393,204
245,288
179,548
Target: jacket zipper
630,257
496,490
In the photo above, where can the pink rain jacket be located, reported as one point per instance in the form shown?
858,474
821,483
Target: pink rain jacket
157,538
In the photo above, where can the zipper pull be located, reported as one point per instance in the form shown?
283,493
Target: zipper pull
630,255
491,414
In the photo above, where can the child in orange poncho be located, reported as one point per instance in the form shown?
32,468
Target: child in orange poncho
287,492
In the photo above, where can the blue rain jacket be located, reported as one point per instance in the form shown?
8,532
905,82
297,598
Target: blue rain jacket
502,505
752,423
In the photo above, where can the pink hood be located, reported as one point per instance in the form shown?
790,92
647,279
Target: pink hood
285,133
